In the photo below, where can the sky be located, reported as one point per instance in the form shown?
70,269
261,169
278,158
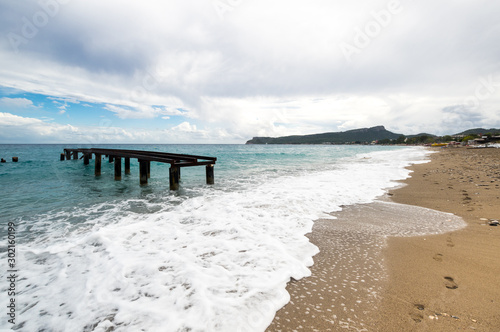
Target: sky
224,71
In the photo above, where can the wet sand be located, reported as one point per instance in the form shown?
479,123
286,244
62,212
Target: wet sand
448,282
363,280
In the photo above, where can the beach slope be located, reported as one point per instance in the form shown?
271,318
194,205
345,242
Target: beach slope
448,282
364,279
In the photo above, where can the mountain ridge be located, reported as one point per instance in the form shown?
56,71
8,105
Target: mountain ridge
357,136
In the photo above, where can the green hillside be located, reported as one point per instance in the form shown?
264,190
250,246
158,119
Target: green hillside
479,131
364,135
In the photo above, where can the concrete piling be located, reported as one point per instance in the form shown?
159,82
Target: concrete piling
174,177
98,159
127,165
118,168
144,158
143,172
210,174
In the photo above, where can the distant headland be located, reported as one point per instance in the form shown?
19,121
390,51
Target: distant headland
377,135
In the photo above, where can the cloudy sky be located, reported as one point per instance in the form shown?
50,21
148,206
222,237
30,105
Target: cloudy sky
223,71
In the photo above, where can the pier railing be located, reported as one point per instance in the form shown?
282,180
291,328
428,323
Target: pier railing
144,158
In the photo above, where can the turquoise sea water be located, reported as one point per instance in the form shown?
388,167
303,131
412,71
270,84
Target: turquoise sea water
93,253
40,182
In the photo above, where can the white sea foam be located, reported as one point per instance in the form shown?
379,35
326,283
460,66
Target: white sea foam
219,261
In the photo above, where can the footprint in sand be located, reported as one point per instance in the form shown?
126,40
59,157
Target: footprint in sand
438,257
450,283
416,317
419,306
449,242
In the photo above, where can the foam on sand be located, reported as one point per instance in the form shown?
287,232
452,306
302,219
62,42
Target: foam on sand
348,274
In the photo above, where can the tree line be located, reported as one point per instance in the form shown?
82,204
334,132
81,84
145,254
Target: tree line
430,139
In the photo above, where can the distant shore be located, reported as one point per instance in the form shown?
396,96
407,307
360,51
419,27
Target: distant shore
425,283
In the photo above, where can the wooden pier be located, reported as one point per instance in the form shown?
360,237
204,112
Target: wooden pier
176,161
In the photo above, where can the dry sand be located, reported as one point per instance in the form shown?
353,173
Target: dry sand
448,282
364,282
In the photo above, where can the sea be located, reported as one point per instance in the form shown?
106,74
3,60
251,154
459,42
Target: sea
86,253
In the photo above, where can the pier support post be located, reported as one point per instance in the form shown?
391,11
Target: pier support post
75,155
85,158
62,157
174,177
127,165
143,171
98,159
149,169
210,174
118,168
68,154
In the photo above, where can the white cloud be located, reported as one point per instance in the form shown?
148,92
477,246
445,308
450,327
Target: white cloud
13,127
264,68
64,100
18,129
144,112
7,119
16,103
173,112
186,127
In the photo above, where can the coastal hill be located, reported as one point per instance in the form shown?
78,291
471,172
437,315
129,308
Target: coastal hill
479,131
355,135
358,136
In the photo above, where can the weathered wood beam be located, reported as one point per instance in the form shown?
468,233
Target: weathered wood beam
145,158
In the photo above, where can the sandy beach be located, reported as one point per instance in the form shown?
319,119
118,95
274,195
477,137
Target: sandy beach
444,282
448,282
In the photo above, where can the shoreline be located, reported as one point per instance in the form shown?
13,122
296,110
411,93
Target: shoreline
418,283
448,282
